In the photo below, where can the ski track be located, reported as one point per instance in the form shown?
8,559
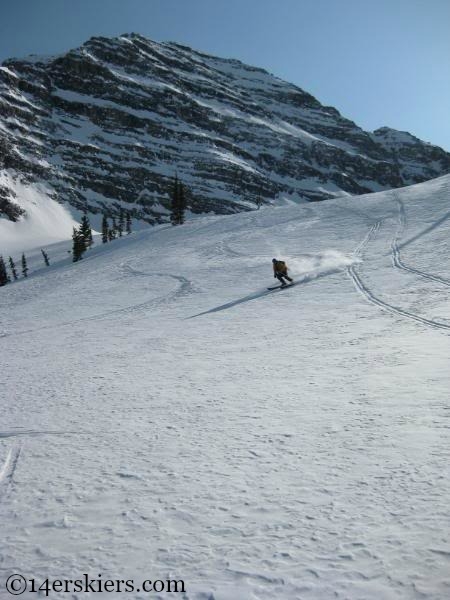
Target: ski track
33,433
305,279
370,297
427,230
223,247
9,467
445,189
186,287
389,307
396,258
369,235
220,249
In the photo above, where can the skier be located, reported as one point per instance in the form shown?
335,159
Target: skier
280,271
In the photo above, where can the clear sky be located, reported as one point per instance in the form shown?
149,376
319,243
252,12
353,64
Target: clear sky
380,62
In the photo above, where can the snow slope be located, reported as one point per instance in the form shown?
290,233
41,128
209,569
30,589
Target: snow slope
45,221
166,416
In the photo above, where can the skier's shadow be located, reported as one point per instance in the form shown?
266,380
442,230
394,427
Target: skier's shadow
240,301
305,279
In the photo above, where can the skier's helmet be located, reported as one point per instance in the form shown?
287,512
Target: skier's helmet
274,260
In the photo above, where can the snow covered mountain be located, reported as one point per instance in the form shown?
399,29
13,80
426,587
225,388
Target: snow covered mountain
165,416
109,123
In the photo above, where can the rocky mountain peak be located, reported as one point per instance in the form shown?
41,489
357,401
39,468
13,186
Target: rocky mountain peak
108,124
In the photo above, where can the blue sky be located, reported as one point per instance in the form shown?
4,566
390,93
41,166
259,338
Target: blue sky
380,62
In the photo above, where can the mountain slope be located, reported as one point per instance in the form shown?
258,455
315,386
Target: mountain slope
108,124
165,415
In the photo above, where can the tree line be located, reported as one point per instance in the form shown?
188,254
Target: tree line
82,238
6,276
115,227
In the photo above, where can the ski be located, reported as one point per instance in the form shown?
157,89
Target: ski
280,287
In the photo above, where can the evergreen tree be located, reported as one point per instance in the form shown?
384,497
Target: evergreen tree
121,226
24,266
75,245
111,234
79,245
12,266
114,227
128,223
182,204
104,229
4,277
86,231
45,255
178,203
175,201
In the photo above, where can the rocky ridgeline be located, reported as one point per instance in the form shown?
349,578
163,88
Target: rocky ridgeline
108,125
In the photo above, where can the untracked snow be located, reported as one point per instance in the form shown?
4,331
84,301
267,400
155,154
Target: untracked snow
165,416
45,222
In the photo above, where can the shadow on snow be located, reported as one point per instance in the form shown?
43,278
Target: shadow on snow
261,294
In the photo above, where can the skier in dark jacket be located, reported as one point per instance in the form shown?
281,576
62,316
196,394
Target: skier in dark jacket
280,271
